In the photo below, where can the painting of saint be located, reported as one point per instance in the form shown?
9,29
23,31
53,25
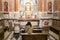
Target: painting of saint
50,7
5,6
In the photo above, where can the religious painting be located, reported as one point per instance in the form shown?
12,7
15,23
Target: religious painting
49,7
5,6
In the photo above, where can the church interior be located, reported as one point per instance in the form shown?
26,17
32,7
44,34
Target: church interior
29,19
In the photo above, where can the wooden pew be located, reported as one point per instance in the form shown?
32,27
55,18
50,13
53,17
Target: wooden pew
35,36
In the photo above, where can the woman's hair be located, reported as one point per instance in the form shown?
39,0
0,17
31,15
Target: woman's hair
28,23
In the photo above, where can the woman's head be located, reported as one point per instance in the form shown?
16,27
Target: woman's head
28,23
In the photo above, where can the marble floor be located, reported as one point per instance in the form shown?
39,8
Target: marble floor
12,38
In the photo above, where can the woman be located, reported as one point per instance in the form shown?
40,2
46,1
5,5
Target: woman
17,30
28,27
46,26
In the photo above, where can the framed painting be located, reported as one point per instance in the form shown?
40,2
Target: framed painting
5,6
50,7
